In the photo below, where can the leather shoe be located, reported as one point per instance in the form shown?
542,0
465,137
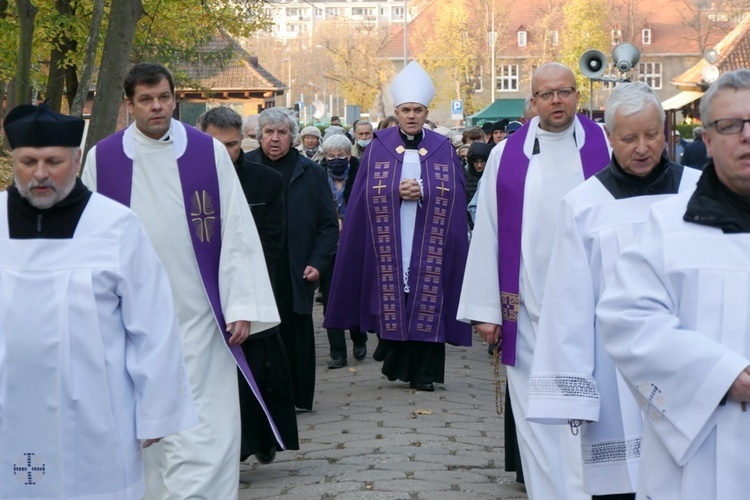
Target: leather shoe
336,363
360,352
428,387
266,457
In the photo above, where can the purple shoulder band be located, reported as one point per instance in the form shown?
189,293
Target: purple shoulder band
511,180
200,190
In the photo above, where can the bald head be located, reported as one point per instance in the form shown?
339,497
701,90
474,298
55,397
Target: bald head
554,96
551,70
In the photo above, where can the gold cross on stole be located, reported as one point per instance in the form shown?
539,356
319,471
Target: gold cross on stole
202,213
442,189
379,186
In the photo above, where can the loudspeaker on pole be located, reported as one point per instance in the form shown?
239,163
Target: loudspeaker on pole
593,63
626,55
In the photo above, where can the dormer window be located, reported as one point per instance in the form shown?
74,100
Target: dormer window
646,36
616,37
522,38
555,37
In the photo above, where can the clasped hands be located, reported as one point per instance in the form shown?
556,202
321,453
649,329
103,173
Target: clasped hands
410,190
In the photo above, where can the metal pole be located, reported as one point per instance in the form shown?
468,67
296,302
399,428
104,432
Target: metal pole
405,35
591,98
493,37
289,82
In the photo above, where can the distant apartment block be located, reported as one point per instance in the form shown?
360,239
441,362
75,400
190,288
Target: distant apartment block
295,20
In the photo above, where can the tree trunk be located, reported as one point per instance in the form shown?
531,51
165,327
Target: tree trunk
123,19
26,14
82,90
62,45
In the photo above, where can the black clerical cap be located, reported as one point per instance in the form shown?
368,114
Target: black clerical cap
38,127
500,125
487,127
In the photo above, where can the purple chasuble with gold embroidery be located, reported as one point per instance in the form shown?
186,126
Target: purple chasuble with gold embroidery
200,189
368,285
511,182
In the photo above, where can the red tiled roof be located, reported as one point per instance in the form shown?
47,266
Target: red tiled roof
228,67
734,53
669,31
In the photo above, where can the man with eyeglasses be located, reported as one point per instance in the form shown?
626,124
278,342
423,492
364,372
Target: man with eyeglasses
573,380
526,177
675,318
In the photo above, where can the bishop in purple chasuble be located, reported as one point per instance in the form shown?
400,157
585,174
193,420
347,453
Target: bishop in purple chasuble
367,290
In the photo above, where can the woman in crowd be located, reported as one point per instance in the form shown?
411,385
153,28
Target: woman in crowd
341,168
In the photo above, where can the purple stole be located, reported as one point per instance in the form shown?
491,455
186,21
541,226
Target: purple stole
419,317
511,181
200,190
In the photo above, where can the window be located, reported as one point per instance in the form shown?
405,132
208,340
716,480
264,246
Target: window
292,12
650,73
554,37
382,11
616,37
646,36
318,12
296,28
522,39
398,12
507,78
478,84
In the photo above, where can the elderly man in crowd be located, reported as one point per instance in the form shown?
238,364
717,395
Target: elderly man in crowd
404,242
573,379
362,137
308,247
264,351
675,317
526,177
181,184
695,155
90,356
249,141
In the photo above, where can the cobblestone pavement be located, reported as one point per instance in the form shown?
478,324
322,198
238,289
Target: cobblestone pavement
374,439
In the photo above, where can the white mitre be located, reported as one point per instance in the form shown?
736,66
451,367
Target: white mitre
412,84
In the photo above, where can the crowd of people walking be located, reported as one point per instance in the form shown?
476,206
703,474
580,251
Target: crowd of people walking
156,319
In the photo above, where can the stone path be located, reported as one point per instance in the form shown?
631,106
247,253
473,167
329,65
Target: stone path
373,439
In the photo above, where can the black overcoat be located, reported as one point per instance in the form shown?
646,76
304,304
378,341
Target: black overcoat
311,225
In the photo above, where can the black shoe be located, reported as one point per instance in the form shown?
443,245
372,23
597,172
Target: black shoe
428,387
336,363
266,457
360,352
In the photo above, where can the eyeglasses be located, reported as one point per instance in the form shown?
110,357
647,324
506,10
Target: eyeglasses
546,95
729,126
339,157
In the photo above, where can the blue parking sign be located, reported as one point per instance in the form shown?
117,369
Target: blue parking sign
457,110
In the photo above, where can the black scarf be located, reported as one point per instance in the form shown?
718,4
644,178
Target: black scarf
714,204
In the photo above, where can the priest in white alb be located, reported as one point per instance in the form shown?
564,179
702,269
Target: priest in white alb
91,368
675,318
573,380
181,183
525,178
